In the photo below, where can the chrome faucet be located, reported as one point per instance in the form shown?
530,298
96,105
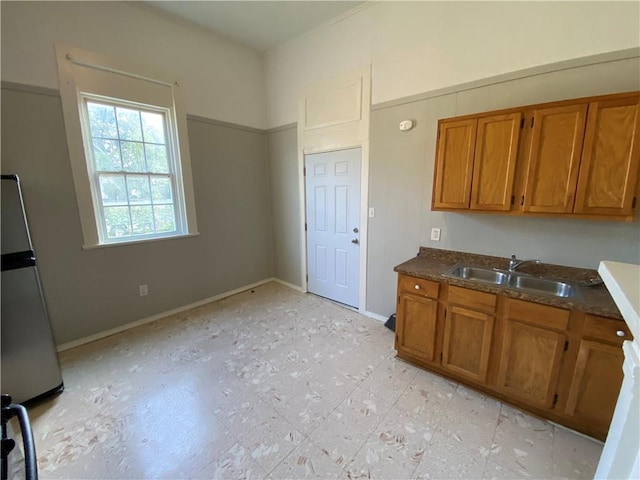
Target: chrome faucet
514,263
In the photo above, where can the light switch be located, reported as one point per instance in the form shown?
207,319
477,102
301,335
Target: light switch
435,234
372,212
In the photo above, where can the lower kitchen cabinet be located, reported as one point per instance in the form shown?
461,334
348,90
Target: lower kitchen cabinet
597,375
416,322
559,364
468,332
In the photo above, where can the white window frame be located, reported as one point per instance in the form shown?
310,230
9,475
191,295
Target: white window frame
88,76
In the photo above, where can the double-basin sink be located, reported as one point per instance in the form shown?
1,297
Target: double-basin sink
513,280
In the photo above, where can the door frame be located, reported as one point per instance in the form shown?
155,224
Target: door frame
364,218
339,133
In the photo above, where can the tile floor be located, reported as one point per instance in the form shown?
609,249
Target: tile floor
275,384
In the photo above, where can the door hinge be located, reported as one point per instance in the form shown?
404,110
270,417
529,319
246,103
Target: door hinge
633,203
555,400
531,122
438,133
513,199
307,278
522,200
398,299
305,226
445,313
522,123
440,356
566,345
304,171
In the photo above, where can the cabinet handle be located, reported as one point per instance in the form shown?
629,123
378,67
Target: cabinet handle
417,287
620,333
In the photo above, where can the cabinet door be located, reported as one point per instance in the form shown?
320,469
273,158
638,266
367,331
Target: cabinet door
454,164
554,159
416,323
494,164
530,363
597,378
467,340
610,158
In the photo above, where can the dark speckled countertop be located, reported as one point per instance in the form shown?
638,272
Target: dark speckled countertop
431,263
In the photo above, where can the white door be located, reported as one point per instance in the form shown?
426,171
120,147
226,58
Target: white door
333,224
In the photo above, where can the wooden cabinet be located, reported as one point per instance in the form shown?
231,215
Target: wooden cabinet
610,158
475,166
597,375
554,159
454,164
468,330
559,364
494,165
533,341
577,157
417,318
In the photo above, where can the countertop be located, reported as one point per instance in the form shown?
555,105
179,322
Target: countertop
623,282
431,263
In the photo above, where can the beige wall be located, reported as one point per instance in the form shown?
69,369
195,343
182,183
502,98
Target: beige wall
220,79
416,47
89,291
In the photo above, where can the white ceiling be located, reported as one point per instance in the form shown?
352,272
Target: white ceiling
259,25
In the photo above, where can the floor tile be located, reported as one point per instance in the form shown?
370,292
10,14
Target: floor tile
279,384
307,461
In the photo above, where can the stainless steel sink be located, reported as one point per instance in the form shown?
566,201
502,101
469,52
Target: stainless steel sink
486,275
513,280
541,285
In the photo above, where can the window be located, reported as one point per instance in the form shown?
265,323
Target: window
131,172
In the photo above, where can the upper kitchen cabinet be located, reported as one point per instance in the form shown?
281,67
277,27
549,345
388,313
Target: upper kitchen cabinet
494,164
454,164
609,168
476,161
554,159
577,158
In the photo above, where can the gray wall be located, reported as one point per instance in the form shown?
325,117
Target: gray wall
285,204
89,291
402,174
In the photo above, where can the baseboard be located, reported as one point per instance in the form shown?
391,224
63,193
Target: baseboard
158,316
375,316
287,284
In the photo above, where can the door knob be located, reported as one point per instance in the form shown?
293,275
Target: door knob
356,241
355,230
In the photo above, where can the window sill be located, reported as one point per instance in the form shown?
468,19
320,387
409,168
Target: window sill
137,242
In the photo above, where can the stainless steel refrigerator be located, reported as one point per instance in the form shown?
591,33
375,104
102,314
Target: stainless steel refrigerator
30,368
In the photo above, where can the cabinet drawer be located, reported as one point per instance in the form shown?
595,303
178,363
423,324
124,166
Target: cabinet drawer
606,329
537,314
485,302
418,286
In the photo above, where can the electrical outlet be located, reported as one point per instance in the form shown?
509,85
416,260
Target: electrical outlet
143,290
435,234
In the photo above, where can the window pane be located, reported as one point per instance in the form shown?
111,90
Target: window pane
153,127
161,190
102,120
138,187
107,155
133,157
117,221
113,190
165,218
157,160
129,124
142,220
